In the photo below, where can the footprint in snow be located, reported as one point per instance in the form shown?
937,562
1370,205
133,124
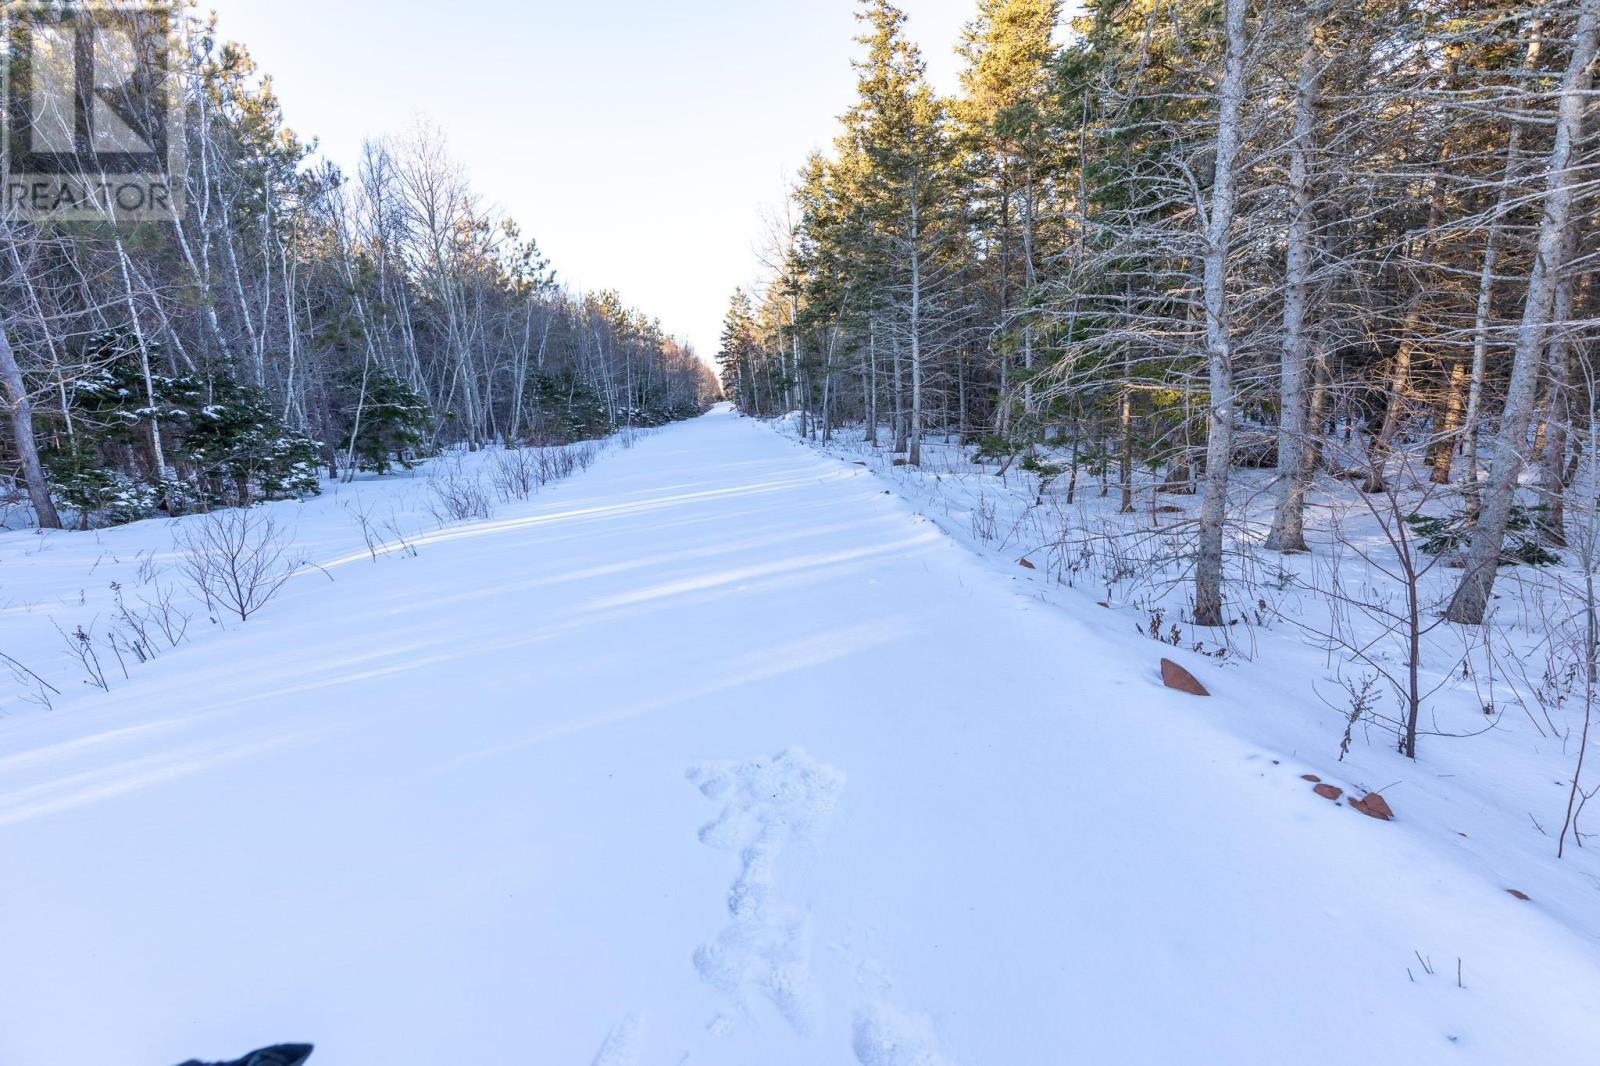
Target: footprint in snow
885,1036
768,806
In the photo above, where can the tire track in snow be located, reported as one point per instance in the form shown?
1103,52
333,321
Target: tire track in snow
769,806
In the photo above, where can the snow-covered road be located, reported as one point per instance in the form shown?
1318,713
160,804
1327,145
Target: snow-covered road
718,754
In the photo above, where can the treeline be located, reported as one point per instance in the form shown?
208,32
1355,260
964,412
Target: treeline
293,320
1180,235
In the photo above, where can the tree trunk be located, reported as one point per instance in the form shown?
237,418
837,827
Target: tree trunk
1002,420
914,457
1030,278
44,508
1551,521
1442,449
1219,339
1288,519
962,430
1125,450
794,343
158,456
899,398
1485,304
872,382
1471,599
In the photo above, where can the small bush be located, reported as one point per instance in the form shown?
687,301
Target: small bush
1044,470
236,559
458,495
1450,533
555,464
98,494
516,474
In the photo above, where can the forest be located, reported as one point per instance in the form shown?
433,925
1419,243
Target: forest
1117,583
1346,241
292,322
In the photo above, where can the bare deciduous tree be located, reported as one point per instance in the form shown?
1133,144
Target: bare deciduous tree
236,560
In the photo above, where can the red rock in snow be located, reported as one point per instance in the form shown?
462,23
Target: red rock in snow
1026,564
1518,893
1374,806
1313,778
1328,792
1176,677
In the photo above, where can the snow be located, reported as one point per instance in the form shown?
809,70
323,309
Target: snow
720,753
1491,786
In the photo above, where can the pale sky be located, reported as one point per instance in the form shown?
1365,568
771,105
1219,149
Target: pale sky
639,141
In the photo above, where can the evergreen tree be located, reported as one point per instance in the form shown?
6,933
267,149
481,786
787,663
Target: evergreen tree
735,355
386,424
1009,132
243,452
901,129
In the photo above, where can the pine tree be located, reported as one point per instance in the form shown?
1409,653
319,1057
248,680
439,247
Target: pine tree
1006,130
737,352
243,452
386,423
901,129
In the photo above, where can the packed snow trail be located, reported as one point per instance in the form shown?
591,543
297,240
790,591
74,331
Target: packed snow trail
717,754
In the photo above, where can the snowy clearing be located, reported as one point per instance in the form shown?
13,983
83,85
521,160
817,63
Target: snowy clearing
720,754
